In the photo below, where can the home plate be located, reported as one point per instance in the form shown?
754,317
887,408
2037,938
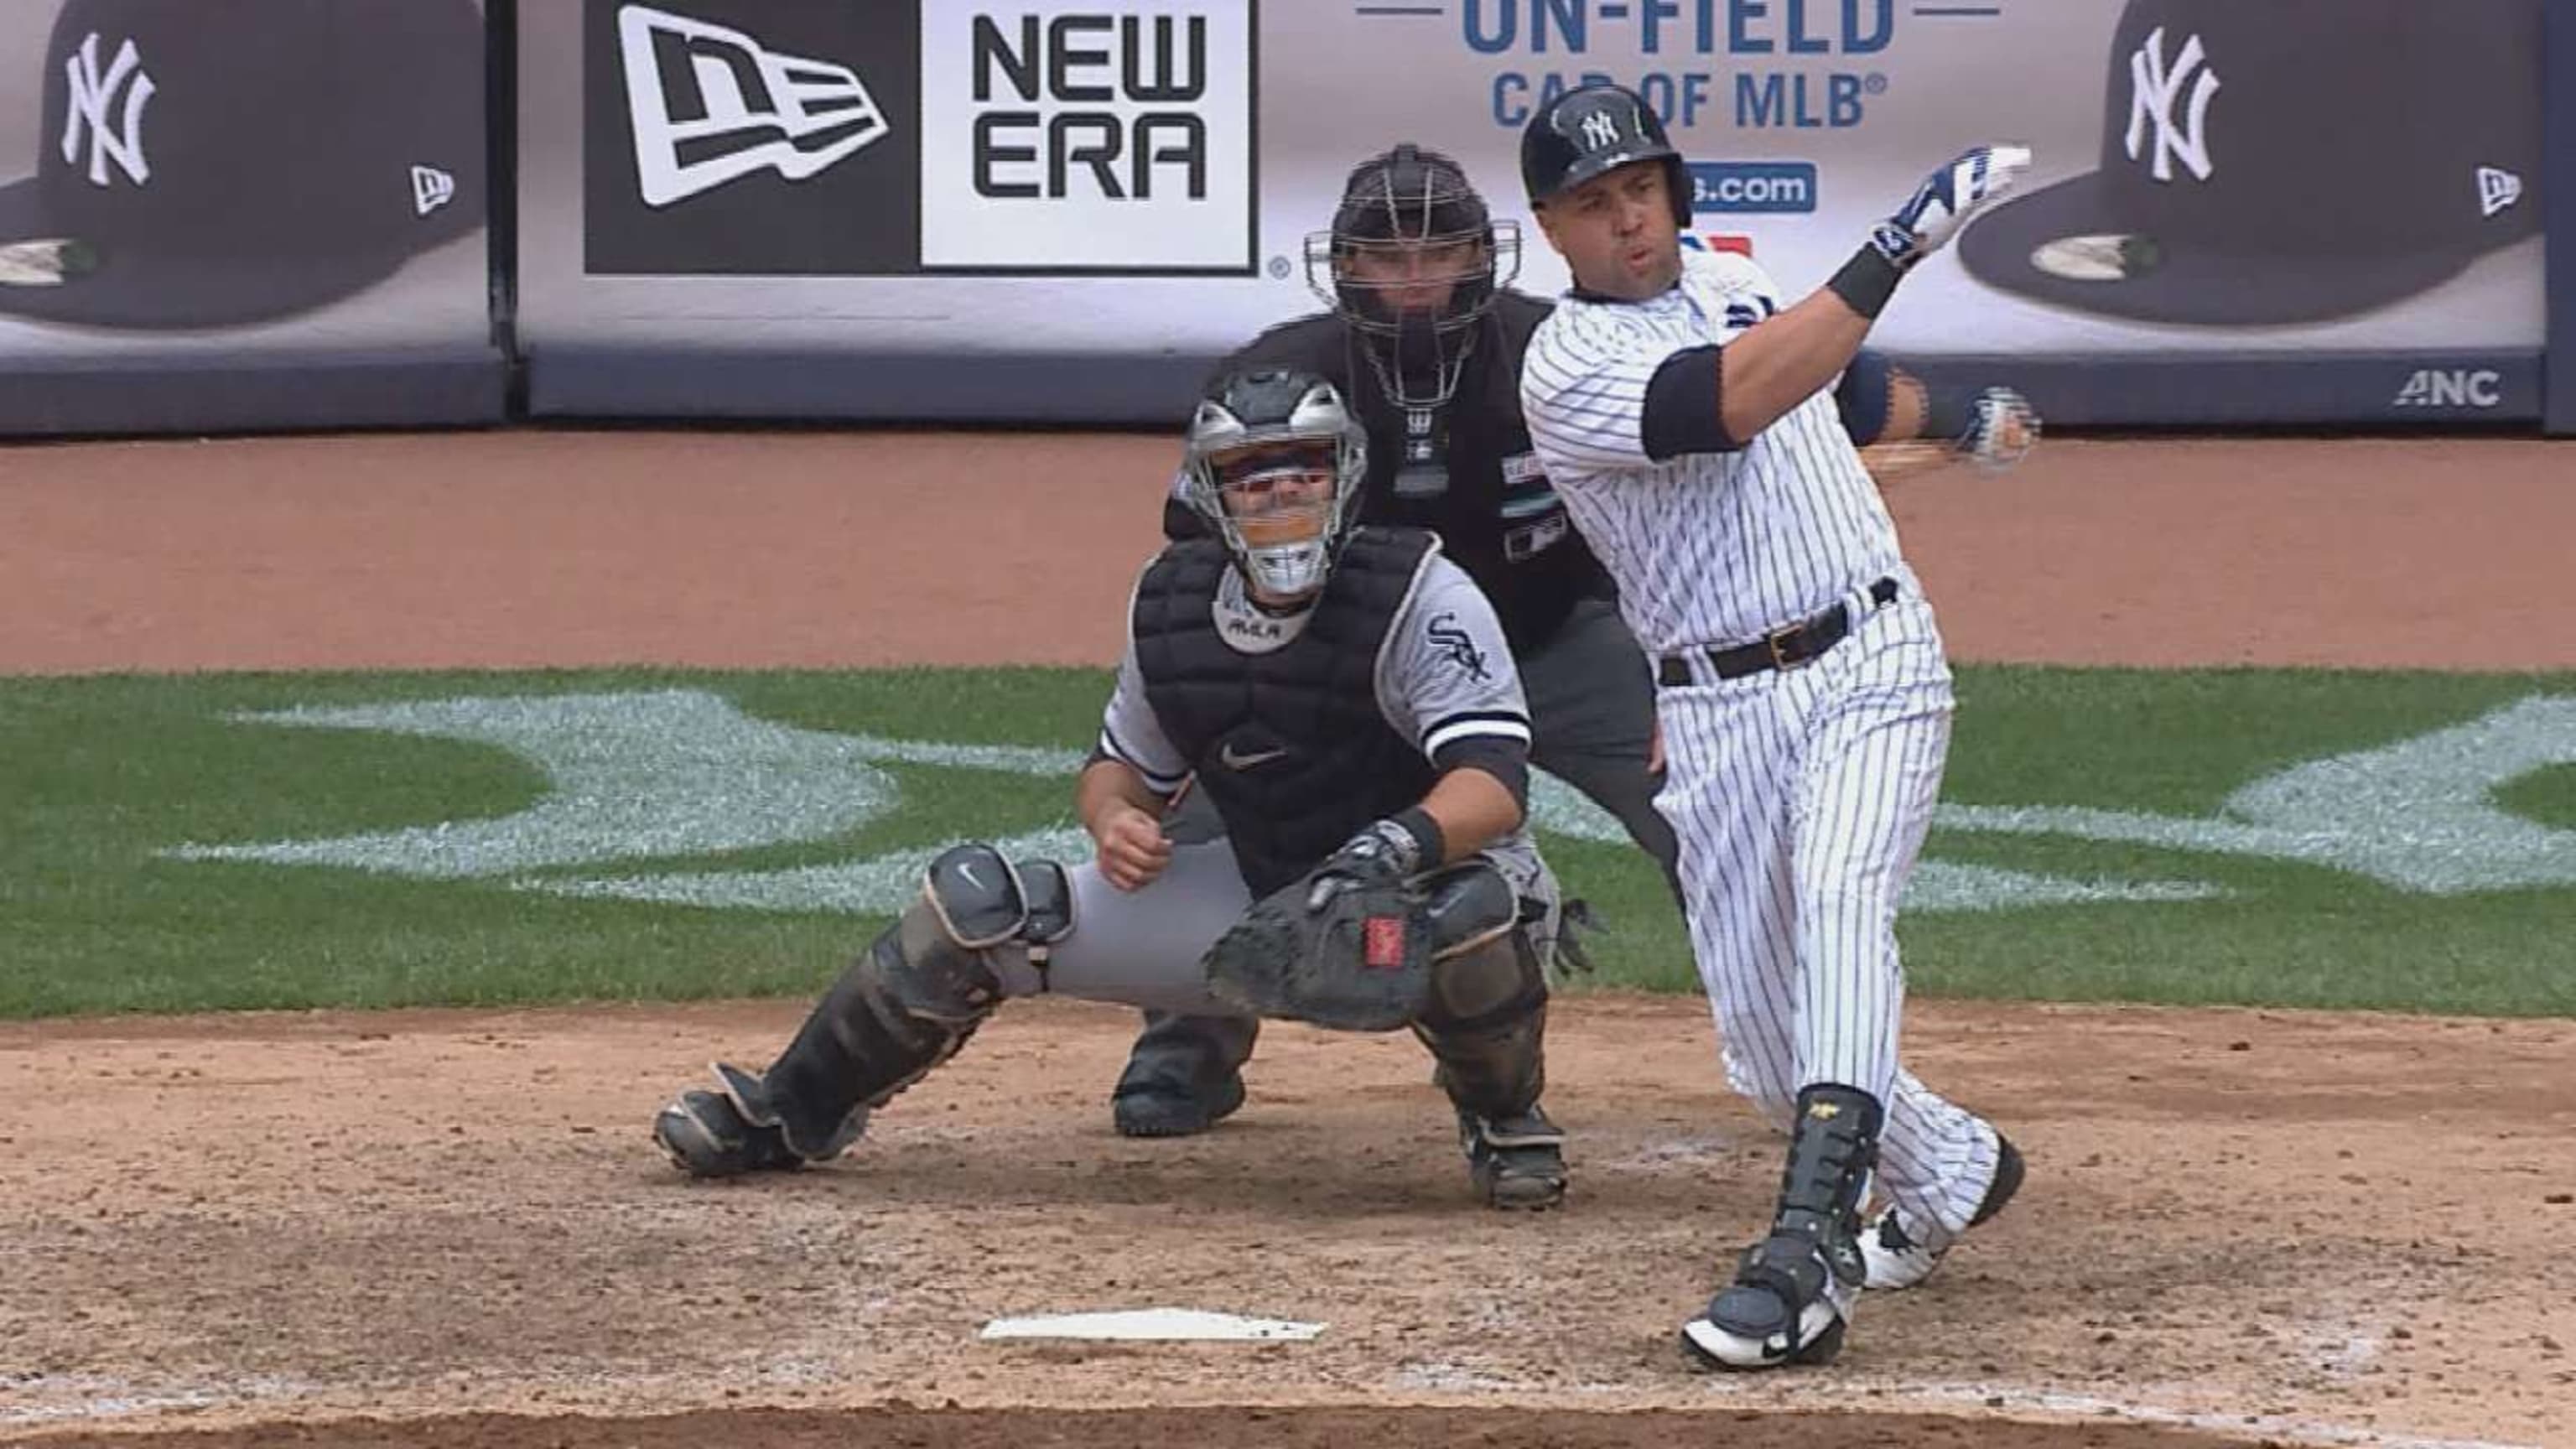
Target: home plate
1155,1324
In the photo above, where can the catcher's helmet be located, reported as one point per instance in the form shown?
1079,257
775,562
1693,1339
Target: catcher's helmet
1413,259
1284,447
1593,129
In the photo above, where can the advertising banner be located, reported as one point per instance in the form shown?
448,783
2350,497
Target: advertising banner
1063,208
258,213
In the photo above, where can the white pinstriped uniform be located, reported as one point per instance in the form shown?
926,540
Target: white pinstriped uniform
1801,797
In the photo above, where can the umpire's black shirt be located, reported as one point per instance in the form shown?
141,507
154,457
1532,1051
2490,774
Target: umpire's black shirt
1498,519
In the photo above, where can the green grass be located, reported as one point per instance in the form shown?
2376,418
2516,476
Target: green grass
99,776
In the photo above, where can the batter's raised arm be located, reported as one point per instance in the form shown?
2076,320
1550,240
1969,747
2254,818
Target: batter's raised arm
1613,195
1788,359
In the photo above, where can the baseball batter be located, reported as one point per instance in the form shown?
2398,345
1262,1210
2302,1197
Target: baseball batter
1686,416
1425,339
1344,696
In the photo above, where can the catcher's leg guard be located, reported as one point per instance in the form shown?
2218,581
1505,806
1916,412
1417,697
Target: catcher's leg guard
1486,1025
706,1135
1793,1291
903,1007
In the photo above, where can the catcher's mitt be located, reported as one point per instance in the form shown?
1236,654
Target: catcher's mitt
1339,952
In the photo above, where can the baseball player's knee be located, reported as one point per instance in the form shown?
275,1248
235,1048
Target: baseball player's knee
936,961
1484,966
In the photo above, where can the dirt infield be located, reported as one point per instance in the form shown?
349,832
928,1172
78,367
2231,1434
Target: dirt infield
428,1229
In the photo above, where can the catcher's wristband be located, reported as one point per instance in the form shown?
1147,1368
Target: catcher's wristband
1867,281
1430,845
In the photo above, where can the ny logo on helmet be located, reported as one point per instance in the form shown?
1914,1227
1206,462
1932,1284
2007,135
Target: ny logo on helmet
2155,97
1600,130
91,95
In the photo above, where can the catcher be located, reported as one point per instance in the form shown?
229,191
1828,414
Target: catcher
1344,697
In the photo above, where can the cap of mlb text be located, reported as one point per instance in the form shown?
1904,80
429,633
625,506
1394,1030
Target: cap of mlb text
2279,161
211,162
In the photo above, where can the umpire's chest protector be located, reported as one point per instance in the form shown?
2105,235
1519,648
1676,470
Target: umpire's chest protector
1290,744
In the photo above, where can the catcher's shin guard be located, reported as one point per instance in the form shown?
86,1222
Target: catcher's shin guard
706,1134
1487,1026
1793,1292
906,1004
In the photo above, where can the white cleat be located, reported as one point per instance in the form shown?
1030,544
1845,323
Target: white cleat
1787,1305
1898,1257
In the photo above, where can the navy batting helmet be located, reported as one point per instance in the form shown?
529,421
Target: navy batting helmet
1594,129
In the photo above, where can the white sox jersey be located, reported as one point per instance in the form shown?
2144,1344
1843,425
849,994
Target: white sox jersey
1708,548
1443,676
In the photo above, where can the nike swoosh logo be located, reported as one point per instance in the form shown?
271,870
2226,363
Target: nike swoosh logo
1234,761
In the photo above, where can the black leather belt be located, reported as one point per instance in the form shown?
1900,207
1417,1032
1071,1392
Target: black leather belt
1783,648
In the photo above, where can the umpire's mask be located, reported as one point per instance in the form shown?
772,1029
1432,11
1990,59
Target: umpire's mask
1411,264
1275,462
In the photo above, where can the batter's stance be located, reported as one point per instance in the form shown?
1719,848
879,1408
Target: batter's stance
1344,696
1688,422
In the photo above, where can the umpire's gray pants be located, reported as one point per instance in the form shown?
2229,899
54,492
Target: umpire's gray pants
1592,723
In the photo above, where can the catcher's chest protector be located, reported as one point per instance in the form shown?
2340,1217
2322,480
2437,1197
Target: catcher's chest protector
1290,745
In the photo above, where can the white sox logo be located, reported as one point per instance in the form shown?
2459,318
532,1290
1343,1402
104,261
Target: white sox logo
2155,97
86,115
1457,644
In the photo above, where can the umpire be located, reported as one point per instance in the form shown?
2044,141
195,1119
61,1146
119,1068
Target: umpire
1425,336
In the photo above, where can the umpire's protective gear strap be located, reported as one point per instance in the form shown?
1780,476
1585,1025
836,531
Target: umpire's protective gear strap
1685,410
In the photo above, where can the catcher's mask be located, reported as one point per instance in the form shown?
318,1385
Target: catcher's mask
1411,264
1275,463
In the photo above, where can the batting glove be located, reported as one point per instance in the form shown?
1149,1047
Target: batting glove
2002,429
1945,201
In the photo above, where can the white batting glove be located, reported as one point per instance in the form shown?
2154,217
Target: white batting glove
1945,201
2002,430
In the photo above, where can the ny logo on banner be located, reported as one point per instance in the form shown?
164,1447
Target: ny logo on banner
1600,130
711,104
92,95
2156,98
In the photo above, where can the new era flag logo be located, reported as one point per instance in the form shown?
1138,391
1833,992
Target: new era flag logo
431,189
2497,189
712,104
